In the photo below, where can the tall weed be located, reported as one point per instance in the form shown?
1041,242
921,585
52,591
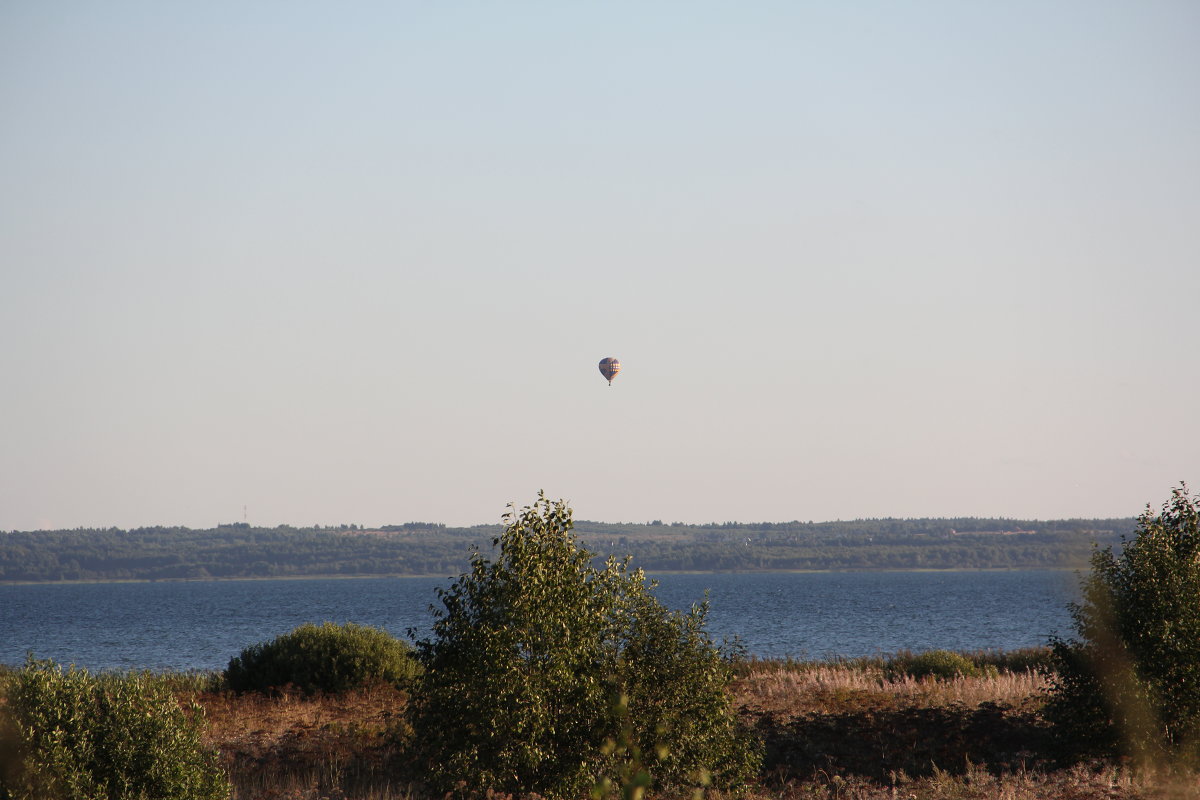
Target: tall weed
839,688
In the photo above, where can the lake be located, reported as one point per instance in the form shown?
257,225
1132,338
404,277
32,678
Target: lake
201,625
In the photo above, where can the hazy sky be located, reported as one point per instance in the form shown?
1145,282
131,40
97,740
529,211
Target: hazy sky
357,262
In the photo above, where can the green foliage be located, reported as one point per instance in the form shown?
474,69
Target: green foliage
1130,683
674,682
632,775
71,735
323,658
943,664
529,654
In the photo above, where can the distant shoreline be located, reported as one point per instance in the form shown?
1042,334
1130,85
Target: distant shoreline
649,572
245,553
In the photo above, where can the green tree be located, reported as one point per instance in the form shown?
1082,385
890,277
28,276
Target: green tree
541,662
1130,682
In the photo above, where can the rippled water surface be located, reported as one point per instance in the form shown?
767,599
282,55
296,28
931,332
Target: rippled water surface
200,625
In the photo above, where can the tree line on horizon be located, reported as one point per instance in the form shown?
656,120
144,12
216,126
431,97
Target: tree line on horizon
239,550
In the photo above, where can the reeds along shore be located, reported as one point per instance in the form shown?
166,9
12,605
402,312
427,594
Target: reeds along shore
853,729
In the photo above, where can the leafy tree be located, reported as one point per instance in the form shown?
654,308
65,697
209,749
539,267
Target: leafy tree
540,663
323,658
70,735
1131,682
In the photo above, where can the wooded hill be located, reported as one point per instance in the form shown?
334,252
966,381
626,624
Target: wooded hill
416,548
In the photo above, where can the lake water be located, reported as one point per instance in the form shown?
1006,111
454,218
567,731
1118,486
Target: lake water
201,625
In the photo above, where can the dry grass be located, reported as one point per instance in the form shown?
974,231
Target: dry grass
835,688
832,732
293,747
1082,782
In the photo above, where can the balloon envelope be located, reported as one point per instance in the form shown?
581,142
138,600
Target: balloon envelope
609,367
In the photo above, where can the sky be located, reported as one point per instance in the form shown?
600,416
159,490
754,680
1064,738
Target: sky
330,263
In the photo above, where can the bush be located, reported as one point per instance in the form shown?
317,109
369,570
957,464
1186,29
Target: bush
1023,659
323,658
548,674
1130,683
942,664
70,735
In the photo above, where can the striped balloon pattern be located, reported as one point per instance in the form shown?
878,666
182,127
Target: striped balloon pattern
609,367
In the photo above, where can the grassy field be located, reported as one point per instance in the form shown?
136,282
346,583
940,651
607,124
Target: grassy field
831,730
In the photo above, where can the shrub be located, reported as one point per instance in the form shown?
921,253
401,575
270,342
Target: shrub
548,674
942,664
1023,659
323,658
1130,682
74,736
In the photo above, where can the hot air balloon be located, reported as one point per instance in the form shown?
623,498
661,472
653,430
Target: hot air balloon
609,367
